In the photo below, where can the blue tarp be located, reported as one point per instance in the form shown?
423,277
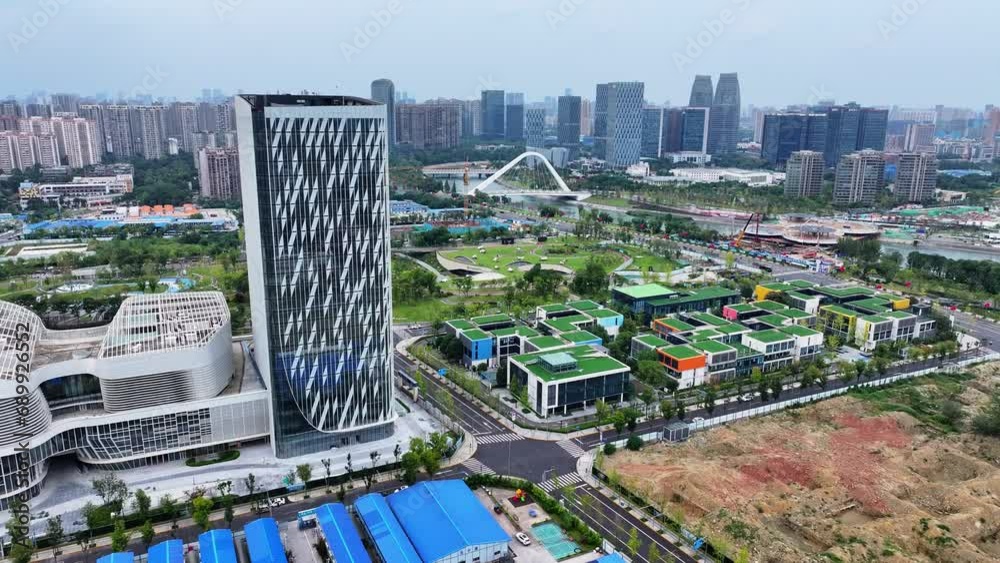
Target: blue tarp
444,517
118,557
264,542
342,537
170,551
385,531
216,546
611,558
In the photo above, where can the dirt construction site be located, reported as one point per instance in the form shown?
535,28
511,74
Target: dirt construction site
856,478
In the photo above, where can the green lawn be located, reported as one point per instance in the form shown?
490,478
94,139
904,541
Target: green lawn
570,254
609,201
422,311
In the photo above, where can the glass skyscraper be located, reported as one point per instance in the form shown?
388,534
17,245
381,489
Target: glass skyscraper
315,200
724,126
492,107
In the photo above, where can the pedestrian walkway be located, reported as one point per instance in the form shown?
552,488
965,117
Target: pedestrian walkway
477,467
560,481
571,448
498,438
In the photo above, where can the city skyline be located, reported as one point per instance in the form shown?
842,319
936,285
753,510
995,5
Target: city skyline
366,41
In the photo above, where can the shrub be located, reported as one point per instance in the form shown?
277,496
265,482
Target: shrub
609,449
634,443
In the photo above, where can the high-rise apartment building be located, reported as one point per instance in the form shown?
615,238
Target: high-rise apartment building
568,120
916,177
586,117
384,92
17,151
12,108
95,113
724,121
219,173
919,137
182,122
429,125
804,174
47,155
859,178
493,113
77,141
534,127
851,128
601,121
148,131
316,207
623,123
701,92
785,133
472,119
514,120
118,129
65,103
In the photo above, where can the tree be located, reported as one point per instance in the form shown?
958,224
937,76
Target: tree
952,411
112,490
708,399
370,476
633,542
667,409
775,384
464,284
142,503
410,463
147,533
618,421
120,536
610,449
881,365
54,529
860,368
304,472
201,511
591,280
349,467
170,509
603,411
634,443
326,470
653,553
681,409
250,482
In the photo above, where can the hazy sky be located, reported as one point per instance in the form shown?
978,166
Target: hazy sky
877,52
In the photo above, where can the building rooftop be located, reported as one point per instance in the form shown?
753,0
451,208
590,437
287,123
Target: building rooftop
796,314
383,527
603,313
555,308
342,537
769,336
460,324
525,331
803,296
588,361
744,351
442,518
578,336
875,319
802,284
704,334
742,307
844,292
709,319
898,314
646,291
546,342
476,334
773,320
264,541
170,551
712,347
651,340
702,294
873,304
566,324
216,546
730,329
584,305
680,352
839,310
772,306
117,557
798,330
491,319
165,321
676,324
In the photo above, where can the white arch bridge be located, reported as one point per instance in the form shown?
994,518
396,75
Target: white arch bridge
501,189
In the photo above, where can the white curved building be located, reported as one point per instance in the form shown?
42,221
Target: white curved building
157,383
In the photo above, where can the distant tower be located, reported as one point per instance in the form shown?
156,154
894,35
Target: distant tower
701,92
804,174
724,121
384,92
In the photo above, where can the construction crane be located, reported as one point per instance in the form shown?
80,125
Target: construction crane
739,237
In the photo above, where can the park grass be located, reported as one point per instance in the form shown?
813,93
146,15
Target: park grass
573,255
609,201
420,311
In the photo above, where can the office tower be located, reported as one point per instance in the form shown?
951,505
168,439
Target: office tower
534,127
859,178
695,129
514,123
118,129
384,92
701,92
551,104
852,128
315,201
919,137
472,115
37,110
429,125
493,109
672,130
77,141
219,173
652,132
916,177
148,138
804,174
95,113
785,133
65,103
586,117
601,121
182,122
568,120
724,121
623,123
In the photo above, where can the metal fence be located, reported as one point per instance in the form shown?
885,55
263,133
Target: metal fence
773,407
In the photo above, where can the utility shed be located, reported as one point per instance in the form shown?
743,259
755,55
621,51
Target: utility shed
384,530
216,546
342,538
264,542
446,523
170,551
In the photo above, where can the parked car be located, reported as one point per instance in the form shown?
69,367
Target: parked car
747,397
697,419
497,509
523,538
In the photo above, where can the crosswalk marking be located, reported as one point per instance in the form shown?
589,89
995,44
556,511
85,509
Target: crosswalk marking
560,481
498,438
571,448
477,467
